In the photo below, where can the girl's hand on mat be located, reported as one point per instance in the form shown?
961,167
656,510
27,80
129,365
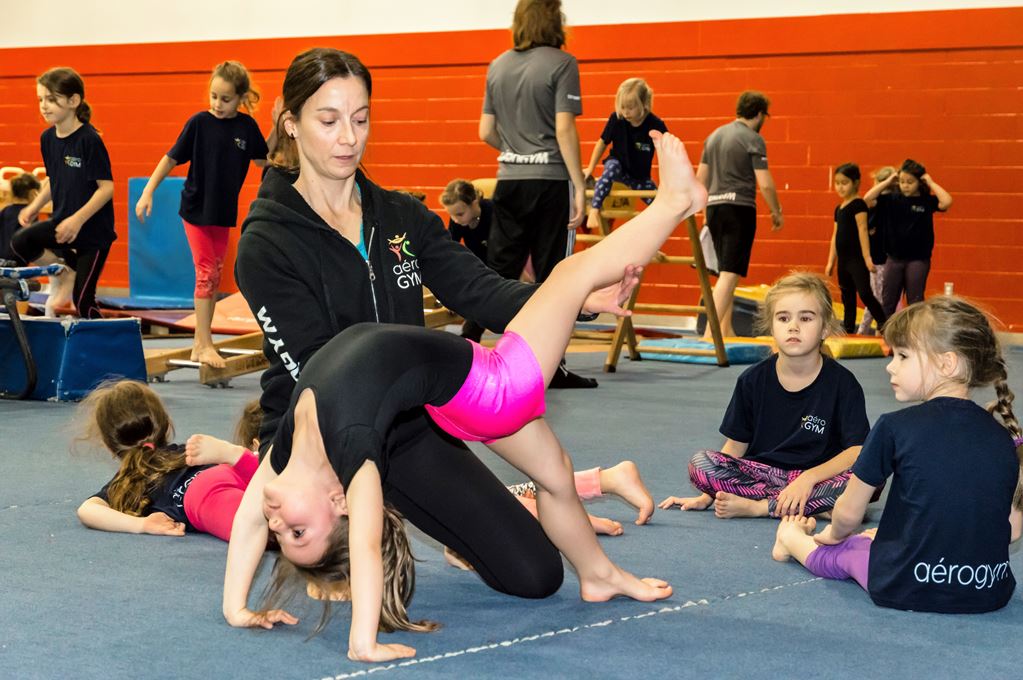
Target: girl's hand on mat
250,619
792,499
67,230
827,537
160,524
611,298
380,652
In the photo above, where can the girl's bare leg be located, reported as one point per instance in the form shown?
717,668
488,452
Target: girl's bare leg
547,319
535,451
601,525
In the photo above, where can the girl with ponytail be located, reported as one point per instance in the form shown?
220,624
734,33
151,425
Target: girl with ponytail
160,488
80,184
218,144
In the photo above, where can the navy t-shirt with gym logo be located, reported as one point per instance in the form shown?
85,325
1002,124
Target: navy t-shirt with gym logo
943,541
219,151
632,145
796,430
909,225
169,496
73,165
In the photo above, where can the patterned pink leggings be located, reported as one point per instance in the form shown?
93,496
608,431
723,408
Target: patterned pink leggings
213,497
713,471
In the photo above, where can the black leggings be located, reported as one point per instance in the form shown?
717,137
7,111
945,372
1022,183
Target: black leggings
530,220
853,279
29,243
904,275
448,493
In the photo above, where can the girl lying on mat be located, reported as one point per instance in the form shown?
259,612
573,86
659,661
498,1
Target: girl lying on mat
319,489
796,420
955,502
161,488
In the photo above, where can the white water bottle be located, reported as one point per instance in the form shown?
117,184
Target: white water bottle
949,288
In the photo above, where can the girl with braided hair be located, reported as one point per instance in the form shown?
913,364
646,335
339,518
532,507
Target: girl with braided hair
943,541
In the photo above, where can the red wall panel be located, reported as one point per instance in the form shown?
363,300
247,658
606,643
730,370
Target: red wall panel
941,87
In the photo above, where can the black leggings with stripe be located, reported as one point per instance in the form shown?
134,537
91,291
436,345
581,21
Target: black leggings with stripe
28,245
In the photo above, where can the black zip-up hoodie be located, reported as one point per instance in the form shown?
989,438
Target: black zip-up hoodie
305,283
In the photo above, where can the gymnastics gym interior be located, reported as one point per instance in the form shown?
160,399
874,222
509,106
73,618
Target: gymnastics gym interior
940,81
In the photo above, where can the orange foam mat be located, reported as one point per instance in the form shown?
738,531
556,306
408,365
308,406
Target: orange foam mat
231,316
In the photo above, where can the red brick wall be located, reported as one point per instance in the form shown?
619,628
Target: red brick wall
941,87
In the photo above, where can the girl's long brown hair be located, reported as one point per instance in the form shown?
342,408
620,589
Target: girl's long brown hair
335,571
133,425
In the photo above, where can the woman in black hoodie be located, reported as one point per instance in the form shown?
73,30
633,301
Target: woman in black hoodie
327,249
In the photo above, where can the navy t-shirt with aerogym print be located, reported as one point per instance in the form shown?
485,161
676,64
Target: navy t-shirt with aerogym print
943,541
796,430
219,151
74,165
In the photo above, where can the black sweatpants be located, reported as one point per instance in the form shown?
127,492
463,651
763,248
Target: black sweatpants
530,219
29,243
442,488
853,280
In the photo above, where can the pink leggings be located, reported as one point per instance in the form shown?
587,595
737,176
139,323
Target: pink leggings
848,559
209,245
212,498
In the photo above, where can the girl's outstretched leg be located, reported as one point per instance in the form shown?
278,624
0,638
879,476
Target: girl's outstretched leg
547,319
535,451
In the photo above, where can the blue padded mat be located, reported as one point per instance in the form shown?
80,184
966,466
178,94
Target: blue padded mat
737,352
72,356
160,270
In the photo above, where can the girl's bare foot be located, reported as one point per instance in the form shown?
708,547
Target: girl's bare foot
792,525
208,356
202,449
623,480
593,218
679,191
608,527
620,583
337,593
701,502
456,560
728,505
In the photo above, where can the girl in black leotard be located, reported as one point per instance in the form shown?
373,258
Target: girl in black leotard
320,490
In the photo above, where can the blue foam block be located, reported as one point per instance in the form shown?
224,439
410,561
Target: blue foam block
160,270
737,352
72,356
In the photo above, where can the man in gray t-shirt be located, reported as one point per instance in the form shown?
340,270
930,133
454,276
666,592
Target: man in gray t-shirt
733,163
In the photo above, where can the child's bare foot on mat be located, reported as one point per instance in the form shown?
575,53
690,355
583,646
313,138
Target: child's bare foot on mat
593,218
605,526
701,502
456,560
621,583
202,449
792,525
208,356
728,505
339,592
623,480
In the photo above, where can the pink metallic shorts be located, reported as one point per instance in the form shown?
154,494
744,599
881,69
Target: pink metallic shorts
503,391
